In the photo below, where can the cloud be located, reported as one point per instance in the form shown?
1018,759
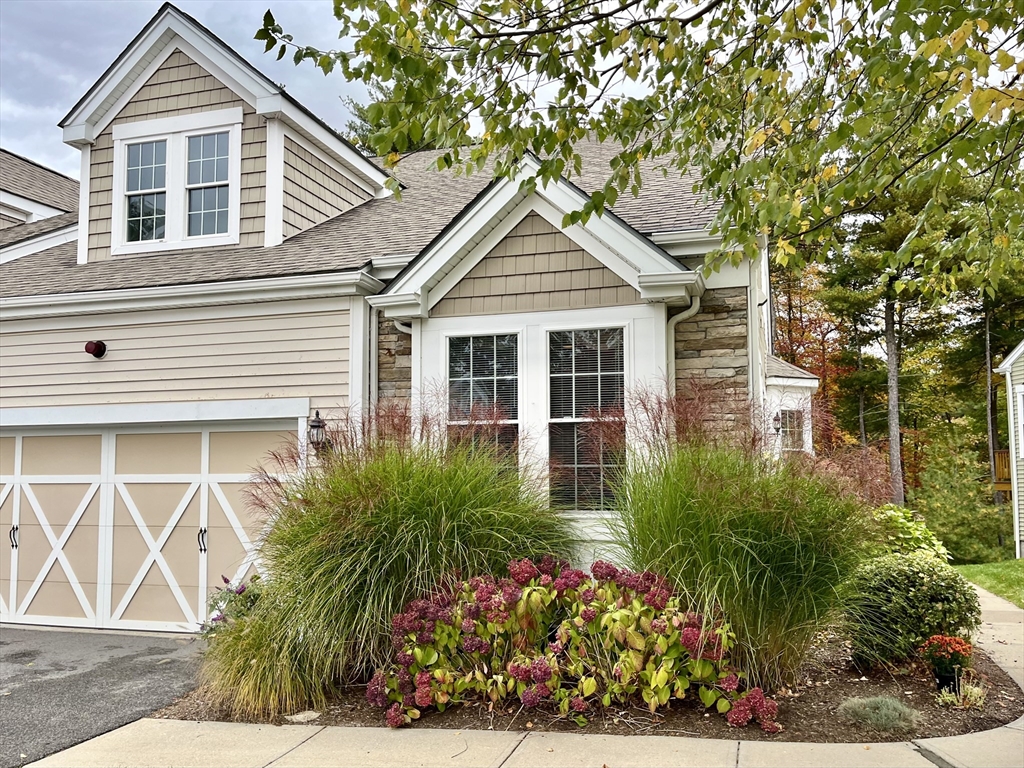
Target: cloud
52,52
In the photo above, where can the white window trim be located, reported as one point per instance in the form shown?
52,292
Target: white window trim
175,131
644,367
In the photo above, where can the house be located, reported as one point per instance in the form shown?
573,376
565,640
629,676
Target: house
1013,369
236,267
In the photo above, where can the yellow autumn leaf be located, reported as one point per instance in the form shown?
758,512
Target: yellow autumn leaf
1002,241
1005,60
786,126
813,125
981,100
785,247
958,38
829,173
931,48
796,208
757,141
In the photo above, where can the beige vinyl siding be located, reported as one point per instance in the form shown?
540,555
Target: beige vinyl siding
313,190
180,87
278,349
535,268
8,221
1017,377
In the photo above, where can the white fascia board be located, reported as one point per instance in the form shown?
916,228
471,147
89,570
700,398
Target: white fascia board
1004,367
785,381
39,243
33,209
667,286
273,228
168,32
367,175
399,306
156,413
205,294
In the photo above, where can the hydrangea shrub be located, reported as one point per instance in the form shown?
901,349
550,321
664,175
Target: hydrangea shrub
904,532
551,633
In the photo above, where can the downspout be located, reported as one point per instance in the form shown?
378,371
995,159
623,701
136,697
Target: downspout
405,328
374,354
670,339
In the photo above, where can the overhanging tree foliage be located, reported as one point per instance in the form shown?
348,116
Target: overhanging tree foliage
790,109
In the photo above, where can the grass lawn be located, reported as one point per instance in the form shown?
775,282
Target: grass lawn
1005,579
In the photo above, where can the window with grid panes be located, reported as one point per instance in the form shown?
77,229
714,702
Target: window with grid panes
146,189
207,184
792,430
585,428
483,388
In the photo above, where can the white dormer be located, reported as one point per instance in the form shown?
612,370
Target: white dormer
185,145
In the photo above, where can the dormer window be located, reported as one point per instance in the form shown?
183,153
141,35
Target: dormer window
177,182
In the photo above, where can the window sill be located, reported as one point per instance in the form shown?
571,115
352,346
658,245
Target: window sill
163,246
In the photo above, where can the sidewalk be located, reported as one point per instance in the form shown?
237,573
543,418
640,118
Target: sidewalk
153,743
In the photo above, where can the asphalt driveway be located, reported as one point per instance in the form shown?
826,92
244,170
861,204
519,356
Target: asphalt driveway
59,688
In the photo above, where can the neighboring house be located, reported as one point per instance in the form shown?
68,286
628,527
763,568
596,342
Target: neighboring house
238,266
38,207
1013,368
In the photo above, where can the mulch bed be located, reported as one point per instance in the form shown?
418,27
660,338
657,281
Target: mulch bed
808,711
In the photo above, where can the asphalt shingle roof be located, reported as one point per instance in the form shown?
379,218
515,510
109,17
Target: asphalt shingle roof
380,227
28,179
22,232
778,367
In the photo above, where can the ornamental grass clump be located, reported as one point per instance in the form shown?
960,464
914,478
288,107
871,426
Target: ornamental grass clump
370,525
553,636
880,713
766,544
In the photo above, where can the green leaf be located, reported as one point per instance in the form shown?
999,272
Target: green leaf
707,696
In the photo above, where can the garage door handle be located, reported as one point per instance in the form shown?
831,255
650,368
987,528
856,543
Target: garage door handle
14,537
201,538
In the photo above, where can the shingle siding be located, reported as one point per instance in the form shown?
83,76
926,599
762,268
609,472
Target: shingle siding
180,87
535,268
313,190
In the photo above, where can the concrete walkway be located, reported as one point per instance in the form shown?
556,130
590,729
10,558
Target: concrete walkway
153,743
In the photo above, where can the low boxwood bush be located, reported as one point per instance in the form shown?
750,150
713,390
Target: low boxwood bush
352,539
898,601
552,635
902,532
767,544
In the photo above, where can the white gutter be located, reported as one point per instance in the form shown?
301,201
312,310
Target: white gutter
195,295
670,338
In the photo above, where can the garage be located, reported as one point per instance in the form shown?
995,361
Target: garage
129,527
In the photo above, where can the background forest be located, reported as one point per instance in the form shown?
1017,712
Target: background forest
831,319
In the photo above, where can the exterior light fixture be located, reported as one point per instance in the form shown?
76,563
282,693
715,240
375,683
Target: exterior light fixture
317,435
777,423
96,348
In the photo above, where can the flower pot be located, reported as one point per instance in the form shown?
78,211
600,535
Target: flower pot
947,681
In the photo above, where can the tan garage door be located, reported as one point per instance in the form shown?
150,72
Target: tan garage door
127,528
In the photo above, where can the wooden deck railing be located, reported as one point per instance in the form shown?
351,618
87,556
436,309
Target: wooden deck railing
1002,467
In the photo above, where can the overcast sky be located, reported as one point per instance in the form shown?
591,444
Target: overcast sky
52,51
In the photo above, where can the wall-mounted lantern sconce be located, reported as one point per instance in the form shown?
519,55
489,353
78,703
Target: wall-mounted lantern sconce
96,348
317,435
777,423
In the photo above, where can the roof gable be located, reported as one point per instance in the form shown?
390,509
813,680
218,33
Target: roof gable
492,215
171,29
1011,358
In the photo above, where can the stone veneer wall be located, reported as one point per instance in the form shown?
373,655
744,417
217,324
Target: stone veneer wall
394,363
711,352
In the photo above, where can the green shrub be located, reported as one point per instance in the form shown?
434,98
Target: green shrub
903,533
899,601
880,713
762,543
349,542
552,636
957,505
